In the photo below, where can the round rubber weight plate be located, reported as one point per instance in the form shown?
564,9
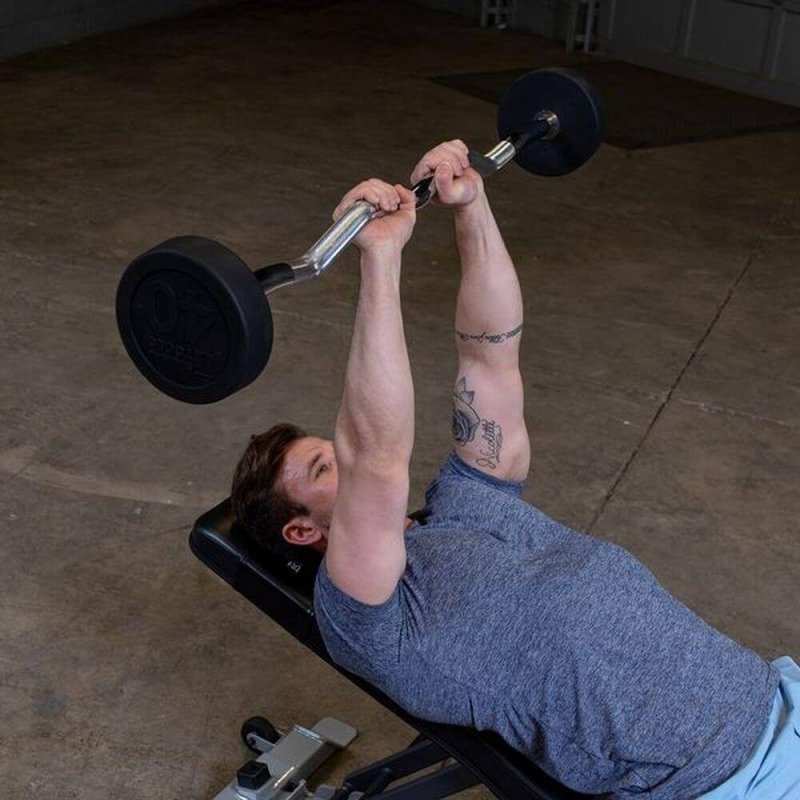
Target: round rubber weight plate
579,107
194,319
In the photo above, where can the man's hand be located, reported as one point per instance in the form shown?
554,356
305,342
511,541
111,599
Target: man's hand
457,184
397,213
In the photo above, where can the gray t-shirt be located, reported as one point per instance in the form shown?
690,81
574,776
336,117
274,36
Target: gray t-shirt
564,645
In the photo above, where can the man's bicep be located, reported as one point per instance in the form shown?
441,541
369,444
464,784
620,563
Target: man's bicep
488,420
366,553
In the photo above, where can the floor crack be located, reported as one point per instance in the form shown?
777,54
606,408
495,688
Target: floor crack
710,408
668,397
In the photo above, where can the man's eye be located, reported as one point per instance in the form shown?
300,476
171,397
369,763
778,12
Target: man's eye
322,468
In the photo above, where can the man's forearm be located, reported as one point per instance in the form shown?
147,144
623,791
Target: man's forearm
489,307
375,426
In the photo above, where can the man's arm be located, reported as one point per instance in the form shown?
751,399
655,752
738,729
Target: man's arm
375,426
488,402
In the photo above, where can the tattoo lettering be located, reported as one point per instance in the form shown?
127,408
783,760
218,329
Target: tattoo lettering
466,422
490,338
492,434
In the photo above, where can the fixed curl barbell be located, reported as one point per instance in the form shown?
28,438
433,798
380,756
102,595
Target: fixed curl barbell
196,319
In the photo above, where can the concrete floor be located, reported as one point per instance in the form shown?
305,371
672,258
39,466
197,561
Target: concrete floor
661,359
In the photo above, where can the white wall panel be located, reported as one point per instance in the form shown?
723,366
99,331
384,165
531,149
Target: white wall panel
748,45
653,26
730,33
787,62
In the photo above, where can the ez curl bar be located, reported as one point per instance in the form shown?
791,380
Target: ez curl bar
196,320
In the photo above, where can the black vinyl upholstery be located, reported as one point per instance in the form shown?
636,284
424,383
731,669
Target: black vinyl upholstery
214,539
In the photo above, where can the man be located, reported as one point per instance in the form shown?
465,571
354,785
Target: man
484,612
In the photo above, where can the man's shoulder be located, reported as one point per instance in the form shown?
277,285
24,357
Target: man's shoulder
360,637
330,599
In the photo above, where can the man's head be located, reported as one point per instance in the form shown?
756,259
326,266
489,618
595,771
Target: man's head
284,489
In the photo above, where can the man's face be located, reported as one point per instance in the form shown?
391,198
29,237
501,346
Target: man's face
309,477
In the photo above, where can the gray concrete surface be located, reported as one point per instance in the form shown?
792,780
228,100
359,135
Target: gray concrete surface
661,361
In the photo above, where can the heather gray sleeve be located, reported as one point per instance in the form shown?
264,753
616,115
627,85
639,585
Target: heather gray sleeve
362,638
454,467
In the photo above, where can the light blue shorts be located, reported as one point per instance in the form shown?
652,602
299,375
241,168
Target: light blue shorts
772,770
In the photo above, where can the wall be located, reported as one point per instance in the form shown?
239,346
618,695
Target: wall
546,17
749,45
752,46
32,24
467,8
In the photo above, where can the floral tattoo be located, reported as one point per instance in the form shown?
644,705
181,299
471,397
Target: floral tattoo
465,420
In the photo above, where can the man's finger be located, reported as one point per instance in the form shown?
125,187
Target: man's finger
455,151
408,200
462,150
425,167
443,178
378,193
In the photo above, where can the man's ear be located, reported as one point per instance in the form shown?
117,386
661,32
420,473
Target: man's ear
301,530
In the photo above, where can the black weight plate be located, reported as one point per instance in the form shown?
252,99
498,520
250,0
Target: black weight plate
579,108
194,319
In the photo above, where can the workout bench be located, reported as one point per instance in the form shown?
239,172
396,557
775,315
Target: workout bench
480,757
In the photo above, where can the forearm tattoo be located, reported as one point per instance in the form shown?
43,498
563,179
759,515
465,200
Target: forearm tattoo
490,338
467,422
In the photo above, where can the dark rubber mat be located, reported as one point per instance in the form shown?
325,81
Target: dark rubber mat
645,108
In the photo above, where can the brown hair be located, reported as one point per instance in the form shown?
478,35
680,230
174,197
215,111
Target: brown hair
262,508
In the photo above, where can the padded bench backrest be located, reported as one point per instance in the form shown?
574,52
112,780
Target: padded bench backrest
215,540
